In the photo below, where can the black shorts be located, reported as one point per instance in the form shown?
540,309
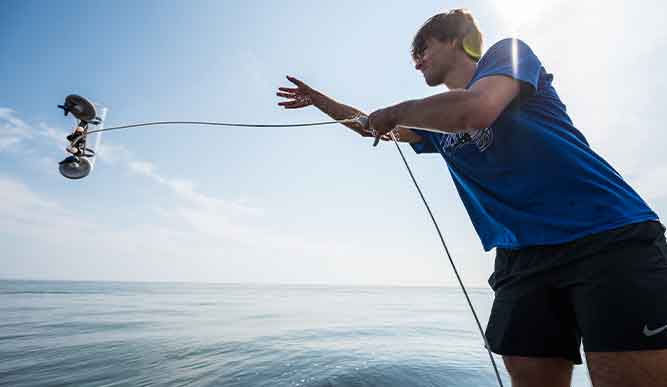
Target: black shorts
609,289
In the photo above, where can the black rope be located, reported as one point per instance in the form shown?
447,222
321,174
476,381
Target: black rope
456,272
221,124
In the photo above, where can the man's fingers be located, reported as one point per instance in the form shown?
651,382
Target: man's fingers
296,106
289,103
377,140
296,81
298,96
389,136
293,104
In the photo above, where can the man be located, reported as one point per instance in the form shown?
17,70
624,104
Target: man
578,253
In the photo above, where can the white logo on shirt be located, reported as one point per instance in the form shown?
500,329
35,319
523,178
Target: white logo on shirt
482,138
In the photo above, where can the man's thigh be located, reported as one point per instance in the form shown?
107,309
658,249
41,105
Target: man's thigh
539,371
628,369
620,300
529,319
621,308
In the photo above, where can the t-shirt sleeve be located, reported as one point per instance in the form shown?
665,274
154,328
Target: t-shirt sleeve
426,144
512,58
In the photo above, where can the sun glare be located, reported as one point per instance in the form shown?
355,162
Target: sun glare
518,13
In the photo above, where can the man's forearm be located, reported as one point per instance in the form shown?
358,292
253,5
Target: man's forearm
338,111
451,112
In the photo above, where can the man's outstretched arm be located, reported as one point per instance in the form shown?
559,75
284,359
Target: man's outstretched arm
452,111
303,96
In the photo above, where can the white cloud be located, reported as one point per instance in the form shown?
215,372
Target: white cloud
6,142
12,122
142,167
24,211
196,245
184,189
201,213
113,154
195,212
13,130
66,243
17,196
56,136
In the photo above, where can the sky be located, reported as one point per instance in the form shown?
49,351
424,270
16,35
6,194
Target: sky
314,205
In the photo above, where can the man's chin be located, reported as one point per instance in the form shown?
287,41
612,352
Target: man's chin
432,82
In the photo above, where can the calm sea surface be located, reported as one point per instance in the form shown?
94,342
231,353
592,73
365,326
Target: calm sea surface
171,334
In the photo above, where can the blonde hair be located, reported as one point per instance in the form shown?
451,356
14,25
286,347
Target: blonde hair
456,25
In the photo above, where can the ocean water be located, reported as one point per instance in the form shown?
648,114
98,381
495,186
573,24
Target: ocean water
56,333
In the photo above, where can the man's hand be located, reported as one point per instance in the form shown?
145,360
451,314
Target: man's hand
383,121
298,97
303,95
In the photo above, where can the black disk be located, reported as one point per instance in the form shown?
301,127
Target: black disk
75,167
80,107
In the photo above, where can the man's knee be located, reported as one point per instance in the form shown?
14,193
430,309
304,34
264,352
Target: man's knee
532,371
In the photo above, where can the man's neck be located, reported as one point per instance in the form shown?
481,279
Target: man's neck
461,73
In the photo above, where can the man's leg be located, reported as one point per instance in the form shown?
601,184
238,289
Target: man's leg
620,299
532,324
628,369
539,372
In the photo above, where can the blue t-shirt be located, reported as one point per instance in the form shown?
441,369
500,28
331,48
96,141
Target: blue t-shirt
531,178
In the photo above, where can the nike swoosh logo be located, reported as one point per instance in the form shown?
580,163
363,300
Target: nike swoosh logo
653,332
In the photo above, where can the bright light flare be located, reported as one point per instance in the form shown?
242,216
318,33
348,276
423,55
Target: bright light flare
519,13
